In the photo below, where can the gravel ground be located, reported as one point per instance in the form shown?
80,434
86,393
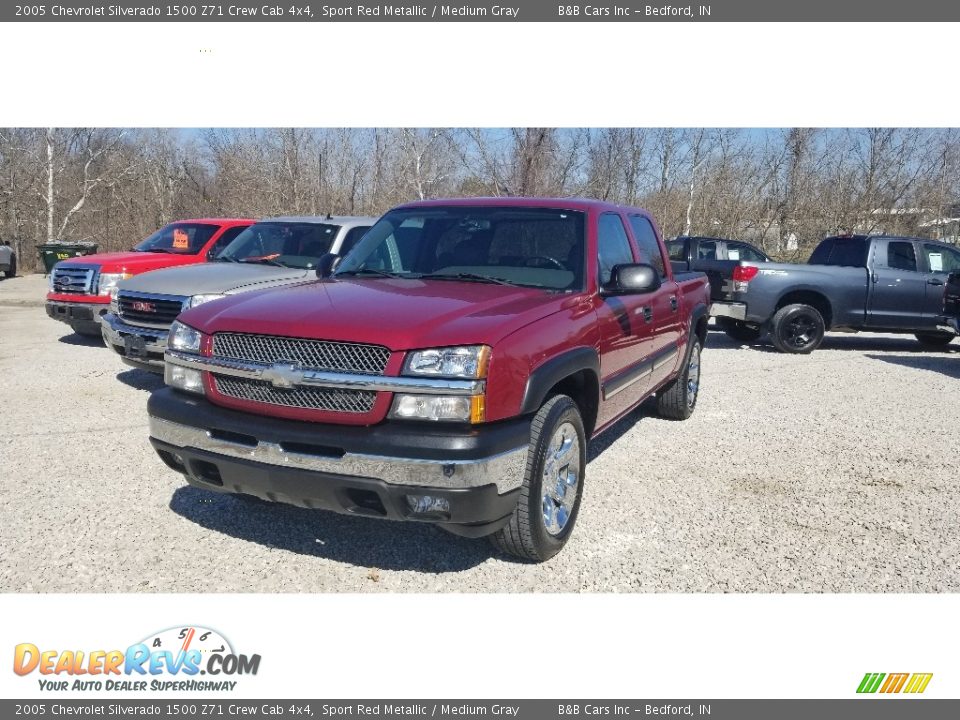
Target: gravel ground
833,472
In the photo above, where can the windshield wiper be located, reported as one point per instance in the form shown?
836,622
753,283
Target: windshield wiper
469,277
227,258
263,261
160,250
373,271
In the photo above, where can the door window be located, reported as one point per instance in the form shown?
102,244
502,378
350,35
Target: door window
613,247
941,259
901,256
646,238
707,250
740,251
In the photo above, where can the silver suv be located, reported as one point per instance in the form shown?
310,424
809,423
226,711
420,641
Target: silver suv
272,252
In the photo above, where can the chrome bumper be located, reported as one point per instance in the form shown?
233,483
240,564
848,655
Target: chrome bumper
115,331
505,470
737,311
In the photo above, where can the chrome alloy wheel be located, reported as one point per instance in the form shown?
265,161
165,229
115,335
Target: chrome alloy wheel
561,473
693,375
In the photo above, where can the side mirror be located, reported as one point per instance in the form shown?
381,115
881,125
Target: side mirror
632,278
327,264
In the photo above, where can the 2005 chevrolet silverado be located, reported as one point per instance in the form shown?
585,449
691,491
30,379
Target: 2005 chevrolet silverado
273,252
451,369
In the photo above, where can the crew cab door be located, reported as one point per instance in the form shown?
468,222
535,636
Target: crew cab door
939,261
625,322
898,287
665,302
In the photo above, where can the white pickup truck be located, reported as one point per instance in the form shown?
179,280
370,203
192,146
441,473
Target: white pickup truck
272,252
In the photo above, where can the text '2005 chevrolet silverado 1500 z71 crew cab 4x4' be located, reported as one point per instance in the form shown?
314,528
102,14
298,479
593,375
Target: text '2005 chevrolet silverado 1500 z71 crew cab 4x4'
80,288
278,251
451,369
876,283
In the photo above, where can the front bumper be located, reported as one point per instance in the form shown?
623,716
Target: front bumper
737,311
475,472
77,313
140,347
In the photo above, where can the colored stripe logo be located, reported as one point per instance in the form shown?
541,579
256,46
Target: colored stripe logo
913,683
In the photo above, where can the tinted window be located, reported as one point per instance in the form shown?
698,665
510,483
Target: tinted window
179,239
292,244
229,235
353,236
647,240
706,250
535,247
848,252
901,255
741,251
677,250
613,247
941,259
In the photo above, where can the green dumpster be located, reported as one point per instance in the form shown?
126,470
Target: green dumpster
52,253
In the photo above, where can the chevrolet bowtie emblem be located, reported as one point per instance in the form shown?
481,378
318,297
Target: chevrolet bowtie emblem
283,375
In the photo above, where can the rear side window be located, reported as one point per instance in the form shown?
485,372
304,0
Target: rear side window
901,256
847,252
677,250
613,245
941,259
707,250
646,238
740,251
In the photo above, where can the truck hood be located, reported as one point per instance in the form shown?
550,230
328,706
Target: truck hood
131,262
215,277
400,314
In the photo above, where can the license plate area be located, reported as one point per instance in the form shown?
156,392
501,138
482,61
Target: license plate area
135,346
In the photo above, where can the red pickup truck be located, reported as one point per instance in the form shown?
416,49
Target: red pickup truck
451,369
80,288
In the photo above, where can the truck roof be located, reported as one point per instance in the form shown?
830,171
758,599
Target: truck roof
528,202
319,219
214,221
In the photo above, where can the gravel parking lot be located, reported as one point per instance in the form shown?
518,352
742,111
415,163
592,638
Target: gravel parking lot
832,472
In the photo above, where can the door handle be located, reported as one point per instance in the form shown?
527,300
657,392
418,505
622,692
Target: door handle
935,281
673,302
647,314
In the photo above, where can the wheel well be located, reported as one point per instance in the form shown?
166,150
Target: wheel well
811,298
583,387
701,330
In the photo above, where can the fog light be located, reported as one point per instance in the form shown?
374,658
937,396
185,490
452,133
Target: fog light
183,378
427,504
432,407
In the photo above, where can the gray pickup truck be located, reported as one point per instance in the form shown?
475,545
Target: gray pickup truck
272,252
851,283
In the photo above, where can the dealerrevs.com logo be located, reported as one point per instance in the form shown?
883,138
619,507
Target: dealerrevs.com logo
892,683
172,659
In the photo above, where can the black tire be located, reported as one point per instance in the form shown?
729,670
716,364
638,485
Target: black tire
740,331
678,400
935,340
526,535
12,272
797,329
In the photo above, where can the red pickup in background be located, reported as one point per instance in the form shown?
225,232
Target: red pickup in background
80,288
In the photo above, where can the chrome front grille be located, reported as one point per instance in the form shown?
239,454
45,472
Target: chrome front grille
329,399
74,279
309,354
149,309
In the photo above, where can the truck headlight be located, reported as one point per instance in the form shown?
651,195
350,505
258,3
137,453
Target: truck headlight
456,408
468,361
201,299
184,338
108,281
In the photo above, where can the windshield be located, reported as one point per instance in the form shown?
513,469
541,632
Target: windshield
179,239
290,244
531,247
